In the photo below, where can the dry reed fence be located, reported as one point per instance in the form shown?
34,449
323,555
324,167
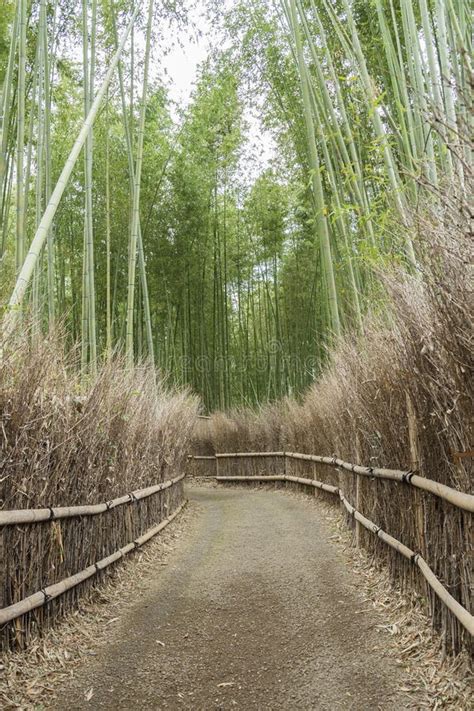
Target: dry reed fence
65,445
399,396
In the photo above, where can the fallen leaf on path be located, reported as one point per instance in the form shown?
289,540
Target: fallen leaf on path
89,694
162,644
226,683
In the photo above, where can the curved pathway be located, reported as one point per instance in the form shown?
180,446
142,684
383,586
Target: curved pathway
256,609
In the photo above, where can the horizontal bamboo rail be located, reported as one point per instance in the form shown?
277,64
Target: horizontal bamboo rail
455,497
464,617
10,518
38,599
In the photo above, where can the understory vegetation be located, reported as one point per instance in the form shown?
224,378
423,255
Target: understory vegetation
68,443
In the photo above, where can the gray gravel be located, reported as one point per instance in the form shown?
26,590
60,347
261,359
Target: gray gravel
257,609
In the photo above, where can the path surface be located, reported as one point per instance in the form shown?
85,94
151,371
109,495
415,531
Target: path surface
256,610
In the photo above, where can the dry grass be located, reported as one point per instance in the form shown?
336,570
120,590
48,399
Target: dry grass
64,443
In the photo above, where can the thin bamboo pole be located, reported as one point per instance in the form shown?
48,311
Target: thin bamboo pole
132,255
108,316
20,175
47,160
5,108
27,516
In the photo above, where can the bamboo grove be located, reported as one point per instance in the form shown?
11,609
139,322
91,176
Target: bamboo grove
157,233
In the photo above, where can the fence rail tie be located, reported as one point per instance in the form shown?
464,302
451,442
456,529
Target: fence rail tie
52,515
136,544
108,505
47,597
377,529
414,558
97,568
406,478
133,498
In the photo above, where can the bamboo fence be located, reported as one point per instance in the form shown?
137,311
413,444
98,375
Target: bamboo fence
50,557
422,498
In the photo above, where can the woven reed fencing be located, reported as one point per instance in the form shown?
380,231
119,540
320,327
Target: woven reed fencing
50,557
410,550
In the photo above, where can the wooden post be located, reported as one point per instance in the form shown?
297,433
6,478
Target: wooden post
217,466
3,572
415,466
358,496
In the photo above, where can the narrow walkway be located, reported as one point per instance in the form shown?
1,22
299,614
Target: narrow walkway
255,610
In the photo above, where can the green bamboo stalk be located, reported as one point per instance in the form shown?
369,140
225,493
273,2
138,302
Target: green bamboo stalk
47,156
90,208
107,237
5,110
132,256
20,175
86,295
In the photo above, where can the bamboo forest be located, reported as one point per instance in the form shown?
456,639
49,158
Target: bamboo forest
236,241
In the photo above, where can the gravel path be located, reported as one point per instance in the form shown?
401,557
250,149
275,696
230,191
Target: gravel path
256,609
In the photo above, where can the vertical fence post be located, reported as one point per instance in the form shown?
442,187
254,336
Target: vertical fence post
217,466
358,501
415,466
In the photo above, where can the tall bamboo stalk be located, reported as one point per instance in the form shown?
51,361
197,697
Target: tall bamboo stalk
5,111
20,176
47,67
131,167
107,237
132,255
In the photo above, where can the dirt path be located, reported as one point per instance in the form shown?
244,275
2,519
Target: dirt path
255,610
